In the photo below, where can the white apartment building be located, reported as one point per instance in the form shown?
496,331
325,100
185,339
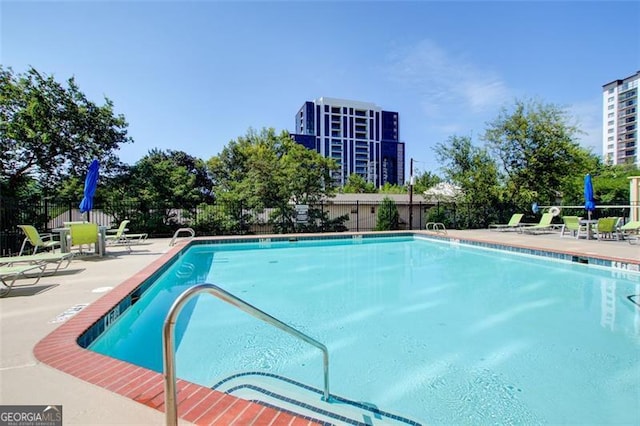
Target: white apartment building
620,121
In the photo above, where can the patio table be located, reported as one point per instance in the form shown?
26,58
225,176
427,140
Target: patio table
589,223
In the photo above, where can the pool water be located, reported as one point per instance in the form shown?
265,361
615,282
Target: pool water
438,332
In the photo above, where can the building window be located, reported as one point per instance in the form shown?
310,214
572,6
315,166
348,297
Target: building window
610,131
610,115
610,123
610,107
610,99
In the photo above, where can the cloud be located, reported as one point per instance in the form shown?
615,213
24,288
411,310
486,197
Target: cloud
446,82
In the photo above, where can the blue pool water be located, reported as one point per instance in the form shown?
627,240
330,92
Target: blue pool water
438,332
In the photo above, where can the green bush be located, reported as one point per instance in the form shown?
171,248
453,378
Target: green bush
388,218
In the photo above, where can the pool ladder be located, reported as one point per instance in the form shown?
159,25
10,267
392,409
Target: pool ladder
437,227
168,341
189,231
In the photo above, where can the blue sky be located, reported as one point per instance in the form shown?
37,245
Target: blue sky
194,75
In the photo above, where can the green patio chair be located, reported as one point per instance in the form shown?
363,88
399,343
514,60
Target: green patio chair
119,237
607,228
48,258
543,226
37,240
81,234
513,224
630,231
572,225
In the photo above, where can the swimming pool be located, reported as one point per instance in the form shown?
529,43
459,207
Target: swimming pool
438,332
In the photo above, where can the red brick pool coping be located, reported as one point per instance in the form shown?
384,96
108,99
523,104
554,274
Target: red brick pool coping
196,404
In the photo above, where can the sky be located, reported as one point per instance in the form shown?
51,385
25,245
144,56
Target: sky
195,75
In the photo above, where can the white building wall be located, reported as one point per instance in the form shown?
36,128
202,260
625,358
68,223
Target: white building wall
620,121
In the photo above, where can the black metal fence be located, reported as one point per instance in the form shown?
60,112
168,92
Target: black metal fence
162,220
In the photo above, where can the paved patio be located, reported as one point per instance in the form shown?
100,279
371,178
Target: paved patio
29,313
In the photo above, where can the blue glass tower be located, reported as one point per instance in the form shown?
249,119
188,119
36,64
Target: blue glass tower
359,136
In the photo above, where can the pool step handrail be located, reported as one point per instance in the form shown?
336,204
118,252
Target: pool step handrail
437,227
189,231
168,341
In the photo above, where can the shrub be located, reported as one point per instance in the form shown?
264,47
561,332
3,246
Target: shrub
388,218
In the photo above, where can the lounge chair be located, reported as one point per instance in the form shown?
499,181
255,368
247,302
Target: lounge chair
36,239
630,231
543,226
607,228
46,259
572,225
122,237
81,234
514,223
118,237
9,275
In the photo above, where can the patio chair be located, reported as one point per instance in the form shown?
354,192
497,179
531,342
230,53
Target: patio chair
56,259
37,240
607,228
118,237
9,275
543,226
572,225
122,237
630,231
81,234
514,223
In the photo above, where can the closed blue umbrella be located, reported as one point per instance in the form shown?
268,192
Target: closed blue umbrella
589,202
90,184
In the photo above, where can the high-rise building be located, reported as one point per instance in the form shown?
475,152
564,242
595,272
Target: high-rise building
620,121
360,136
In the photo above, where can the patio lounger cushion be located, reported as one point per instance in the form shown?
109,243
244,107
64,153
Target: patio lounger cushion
41,258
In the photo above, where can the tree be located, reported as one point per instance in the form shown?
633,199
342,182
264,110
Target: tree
424,181
307,173
476,173
268,170
388,218
389,188
247,170
189,181
536,148
48,131
357,185
610,184
158,185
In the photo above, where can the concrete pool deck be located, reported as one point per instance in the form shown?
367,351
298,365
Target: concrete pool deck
30,313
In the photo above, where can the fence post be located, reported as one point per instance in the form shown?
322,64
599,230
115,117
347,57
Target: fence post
357,215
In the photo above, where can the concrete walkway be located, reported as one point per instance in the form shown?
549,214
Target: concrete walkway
29,313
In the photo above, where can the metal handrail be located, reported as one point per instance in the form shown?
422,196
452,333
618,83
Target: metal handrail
178,232
436,227
168,350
